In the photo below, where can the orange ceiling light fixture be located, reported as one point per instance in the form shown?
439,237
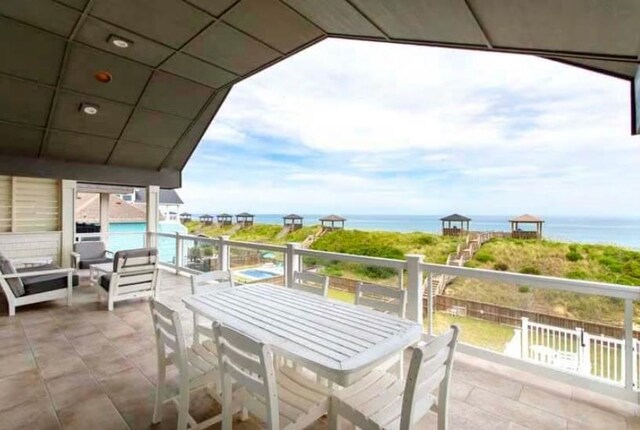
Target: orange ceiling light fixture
103,76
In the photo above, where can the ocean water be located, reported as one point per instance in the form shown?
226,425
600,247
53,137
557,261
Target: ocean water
617,231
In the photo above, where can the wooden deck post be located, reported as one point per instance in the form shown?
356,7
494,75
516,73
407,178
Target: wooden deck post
223,253
292,263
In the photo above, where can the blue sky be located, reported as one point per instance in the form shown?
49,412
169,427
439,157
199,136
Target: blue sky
364,128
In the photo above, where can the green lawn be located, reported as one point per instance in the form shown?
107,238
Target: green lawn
474,331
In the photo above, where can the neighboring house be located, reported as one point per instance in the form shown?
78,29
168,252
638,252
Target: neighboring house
169,205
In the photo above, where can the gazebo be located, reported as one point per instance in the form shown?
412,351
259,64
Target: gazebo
329,222
185,217
206,219
518,233
293,221
450,225
224,219
245,219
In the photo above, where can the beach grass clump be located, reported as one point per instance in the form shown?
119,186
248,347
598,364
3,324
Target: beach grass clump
502,267
483,257
530,270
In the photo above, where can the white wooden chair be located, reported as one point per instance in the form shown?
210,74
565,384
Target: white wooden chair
197,368
311,283
135,275
205,283
382,401
388,300
282,398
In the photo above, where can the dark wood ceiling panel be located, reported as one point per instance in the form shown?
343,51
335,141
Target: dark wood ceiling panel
274,23
567,25
171,22
154,128
44,14
335,16
230,49
198,70
174,95
422,20
128,78
139,155
24,102
108,122
32,54
77,4
19,141
214,7
78,147
96,33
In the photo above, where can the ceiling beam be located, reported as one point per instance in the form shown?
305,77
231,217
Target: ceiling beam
61,72
483,31
368,19
85,172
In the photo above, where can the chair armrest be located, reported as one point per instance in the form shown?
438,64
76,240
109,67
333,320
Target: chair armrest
109,253
75,260
37,273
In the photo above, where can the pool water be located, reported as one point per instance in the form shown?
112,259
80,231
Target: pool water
260,273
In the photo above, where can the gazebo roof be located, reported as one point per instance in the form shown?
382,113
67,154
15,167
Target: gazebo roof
244,214
206,216
332,218
455,217
526,218
224,215
292,216
185,214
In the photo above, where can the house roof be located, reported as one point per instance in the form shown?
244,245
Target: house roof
88,209
332,218
455,217
183,57
245,215
292,216
526,218
167,197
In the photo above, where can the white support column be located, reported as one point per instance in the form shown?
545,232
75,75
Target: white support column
629,383
292,263
153,200
223,253
414,288
67,221
104,218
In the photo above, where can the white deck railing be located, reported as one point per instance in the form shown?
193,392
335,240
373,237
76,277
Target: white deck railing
618,377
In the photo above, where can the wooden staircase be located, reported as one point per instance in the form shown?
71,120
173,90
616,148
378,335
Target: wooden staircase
464,252
313,237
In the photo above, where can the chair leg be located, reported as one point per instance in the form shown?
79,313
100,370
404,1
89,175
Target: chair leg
333,415
227,404
157,411
12,310
110,305
183,409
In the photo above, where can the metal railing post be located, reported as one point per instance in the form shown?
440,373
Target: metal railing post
292,263
431,300
223,253
414,288
178,256
629,383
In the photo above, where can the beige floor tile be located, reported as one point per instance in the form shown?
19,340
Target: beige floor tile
133,343
133,396
54,345
114,329
495,383
17,362
515,411
33,415
90,344
81,329
107,362
97,413
67,390
19,388
570,409
58,364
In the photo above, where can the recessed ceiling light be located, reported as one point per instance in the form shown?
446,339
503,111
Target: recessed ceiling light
103,76
89,108
119,42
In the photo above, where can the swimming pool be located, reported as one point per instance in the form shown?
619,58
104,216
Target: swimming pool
260,272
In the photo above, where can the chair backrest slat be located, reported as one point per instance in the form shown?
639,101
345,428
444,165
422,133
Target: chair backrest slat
248,362
382,298
311,283
168,331
431,365
210,281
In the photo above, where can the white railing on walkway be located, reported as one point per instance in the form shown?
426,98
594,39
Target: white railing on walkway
622,368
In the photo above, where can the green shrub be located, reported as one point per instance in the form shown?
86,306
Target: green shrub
424,239
530,270
503,267
576,274
574,256
483,257
523,289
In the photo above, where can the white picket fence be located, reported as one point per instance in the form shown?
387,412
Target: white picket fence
577,351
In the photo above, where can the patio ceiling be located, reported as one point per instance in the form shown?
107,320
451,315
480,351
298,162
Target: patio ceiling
184,56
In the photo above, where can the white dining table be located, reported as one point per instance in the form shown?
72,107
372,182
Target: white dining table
337,340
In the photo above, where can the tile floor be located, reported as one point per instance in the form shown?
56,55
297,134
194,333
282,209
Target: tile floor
85,368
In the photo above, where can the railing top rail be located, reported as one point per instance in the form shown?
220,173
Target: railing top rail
537,281
351,258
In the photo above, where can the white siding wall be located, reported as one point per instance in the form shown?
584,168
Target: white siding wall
30,217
